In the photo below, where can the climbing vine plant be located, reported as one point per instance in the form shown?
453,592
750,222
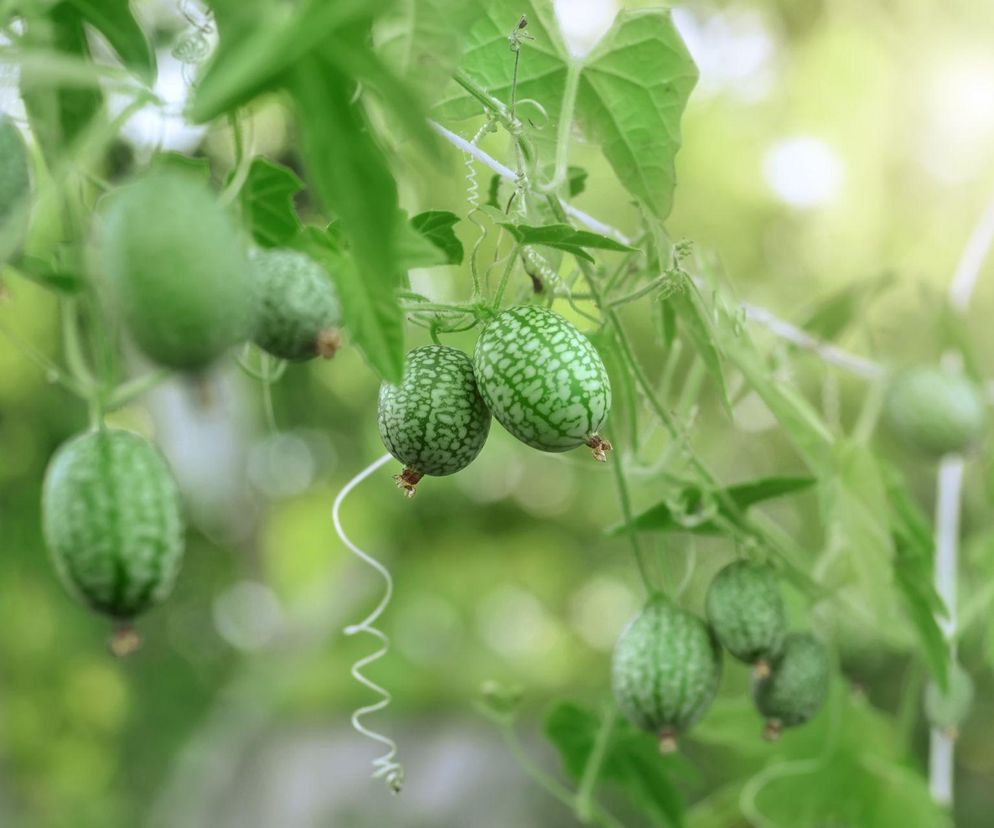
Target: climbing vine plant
285,260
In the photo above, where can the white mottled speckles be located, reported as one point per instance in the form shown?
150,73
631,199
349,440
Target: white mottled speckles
435,422
666,668
543,380
113,521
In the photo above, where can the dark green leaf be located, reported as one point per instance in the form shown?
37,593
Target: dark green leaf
692,502
113,19
493,192
266,200
51,276
563,237
437,226
577,180
631,760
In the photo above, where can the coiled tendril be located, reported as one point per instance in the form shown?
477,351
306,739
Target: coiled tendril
385,767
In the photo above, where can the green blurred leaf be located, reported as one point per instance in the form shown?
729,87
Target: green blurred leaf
563,237
414,249
437,226
51,276
266,199
631,760
661,517
113,19
577,177
688,304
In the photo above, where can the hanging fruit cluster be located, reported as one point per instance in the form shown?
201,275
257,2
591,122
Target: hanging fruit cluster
667,662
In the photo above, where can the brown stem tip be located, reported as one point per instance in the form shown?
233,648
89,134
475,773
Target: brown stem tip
772,730
407,480
328,343
600,447
124,640
761,669
667,742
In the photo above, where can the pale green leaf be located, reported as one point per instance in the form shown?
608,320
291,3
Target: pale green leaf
266,200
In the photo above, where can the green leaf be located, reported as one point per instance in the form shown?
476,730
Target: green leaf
835,313
631,760
113,19
631,97
437,226
51,275
577,177
355,182
493,192
563,237
260,50
266,199
422,40
414,249
685,511
688,305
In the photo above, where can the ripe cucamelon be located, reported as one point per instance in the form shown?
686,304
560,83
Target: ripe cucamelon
746,612
543,380
113,522
15,182
435,422
936,412
296,311
665,670
175,269
947,710
796,686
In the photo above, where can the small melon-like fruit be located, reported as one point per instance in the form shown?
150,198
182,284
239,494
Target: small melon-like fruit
665,670
15,182
947,710
113,522
297,315
745,609
543,380
435,422
936,412
796,686
175,269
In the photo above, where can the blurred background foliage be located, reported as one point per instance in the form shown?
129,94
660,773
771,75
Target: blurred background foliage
833,148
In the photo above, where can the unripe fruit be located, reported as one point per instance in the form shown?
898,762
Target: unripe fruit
15,182
745,609
175,269
543,380
947,710
936,412
435,422
665,670
113,521
296,311
796,686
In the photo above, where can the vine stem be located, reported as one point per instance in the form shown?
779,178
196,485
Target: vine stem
385,767
948,496
860,366
591,771
565,126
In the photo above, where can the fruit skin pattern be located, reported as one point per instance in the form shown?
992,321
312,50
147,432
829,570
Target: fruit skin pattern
175,269
745,609
797,684
435,422
665,669
15,181
113,521
296,310
543,380
935,411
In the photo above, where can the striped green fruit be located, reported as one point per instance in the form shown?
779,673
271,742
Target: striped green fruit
947,710
543,380
796,686
435,422
175,269
296,311
15,182
665,670
745,610
936,412
113,521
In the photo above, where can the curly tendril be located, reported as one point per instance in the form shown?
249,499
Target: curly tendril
385,767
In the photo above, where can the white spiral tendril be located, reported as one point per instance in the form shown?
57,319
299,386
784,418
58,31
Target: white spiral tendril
385,767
